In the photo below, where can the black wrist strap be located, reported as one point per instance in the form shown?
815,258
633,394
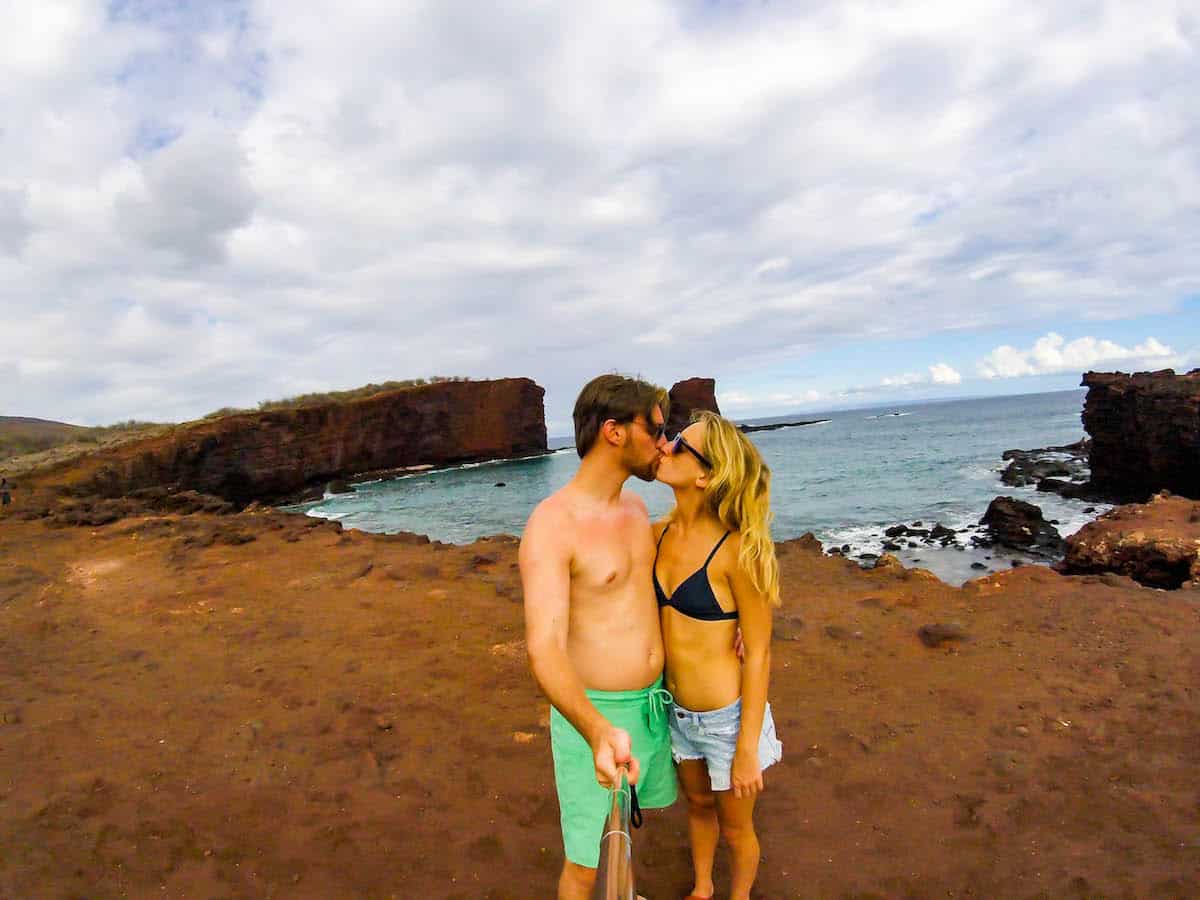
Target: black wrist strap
635,811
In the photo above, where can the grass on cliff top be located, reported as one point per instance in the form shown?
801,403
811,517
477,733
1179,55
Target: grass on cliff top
20,455
359,393
23,451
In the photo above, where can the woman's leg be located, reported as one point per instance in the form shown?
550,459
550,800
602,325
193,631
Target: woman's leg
703,829
736,815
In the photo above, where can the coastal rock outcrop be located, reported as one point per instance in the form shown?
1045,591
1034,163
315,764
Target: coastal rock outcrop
1156,544
687,396
1145,432
1014,523
279,453
1063,470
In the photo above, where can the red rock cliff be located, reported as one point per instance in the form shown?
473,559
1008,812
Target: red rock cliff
1145,432
278,453
688,395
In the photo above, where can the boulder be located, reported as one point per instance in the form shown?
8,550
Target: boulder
1156,544
1020,525
1032,467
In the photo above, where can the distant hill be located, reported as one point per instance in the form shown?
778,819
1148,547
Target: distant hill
21,434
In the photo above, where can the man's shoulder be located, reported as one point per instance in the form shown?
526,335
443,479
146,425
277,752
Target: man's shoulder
551,515
635,504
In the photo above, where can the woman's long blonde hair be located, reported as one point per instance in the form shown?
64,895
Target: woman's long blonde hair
739,494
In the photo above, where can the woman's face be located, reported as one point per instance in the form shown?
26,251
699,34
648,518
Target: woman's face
680,467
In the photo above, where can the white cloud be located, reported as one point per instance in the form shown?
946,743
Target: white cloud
944,374
742,403
1052,353
219,203
939,373
905,380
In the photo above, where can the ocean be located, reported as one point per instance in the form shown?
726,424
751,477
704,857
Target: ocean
845,480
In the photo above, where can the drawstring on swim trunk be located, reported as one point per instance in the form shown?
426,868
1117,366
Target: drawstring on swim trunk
660,703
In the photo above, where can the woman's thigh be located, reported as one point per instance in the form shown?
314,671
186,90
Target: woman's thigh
693,778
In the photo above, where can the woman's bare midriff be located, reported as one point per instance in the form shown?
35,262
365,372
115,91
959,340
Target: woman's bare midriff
703,672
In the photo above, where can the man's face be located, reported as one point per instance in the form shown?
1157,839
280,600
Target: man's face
646,444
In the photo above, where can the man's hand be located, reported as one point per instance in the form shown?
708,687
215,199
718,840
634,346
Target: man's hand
610,751
746,775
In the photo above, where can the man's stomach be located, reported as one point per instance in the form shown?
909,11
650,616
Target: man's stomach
624,659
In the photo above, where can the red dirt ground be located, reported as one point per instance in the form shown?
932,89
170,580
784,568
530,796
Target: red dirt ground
315,714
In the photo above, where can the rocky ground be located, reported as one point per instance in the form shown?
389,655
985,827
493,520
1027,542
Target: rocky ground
209,705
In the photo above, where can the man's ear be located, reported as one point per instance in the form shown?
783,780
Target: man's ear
613,432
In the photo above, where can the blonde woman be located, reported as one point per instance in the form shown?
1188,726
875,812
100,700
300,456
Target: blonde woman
715,571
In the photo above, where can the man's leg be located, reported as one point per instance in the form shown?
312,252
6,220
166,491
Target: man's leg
575,882
703,828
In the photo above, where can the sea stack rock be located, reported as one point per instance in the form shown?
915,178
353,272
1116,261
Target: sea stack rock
280,452
1145,432
690,395
1020,525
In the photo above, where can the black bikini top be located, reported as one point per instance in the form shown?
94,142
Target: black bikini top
694,597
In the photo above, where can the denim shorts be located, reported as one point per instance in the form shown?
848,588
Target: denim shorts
712,736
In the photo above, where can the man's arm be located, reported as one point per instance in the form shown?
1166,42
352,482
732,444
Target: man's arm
545,560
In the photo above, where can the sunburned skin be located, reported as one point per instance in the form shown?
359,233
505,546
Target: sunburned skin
613,639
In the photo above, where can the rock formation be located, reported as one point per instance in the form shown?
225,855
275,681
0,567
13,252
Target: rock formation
775,426
689,395
1020,525
1145,432
1156,544
1031,467
278,453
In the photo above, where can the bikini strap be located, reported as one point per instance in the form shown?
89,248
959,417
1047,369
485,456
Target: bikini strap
660,539
716,548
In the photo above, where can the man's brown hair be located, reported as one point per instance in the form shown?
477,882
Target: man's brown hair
614,397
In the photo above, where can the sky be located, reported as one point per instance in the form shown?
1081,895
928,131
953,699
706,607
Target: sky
820,205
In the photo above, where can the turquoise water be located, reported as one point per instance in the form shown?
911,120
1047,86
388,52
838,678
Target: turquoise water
844,480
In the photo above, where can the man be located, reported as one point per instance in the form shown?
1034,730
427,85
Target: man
5,496
591,620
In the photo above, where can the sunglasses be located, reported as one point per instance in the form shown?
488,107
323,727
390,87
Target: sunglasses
681,441
657,432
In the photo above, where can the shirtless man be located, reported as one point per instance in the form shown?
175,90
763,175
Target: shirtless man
591,620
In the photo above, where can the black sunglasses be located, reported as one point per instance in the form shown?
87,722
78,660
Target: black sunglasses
657,432
681,441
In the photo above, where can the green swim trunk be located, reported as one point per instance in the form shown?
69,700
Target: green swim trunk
582,803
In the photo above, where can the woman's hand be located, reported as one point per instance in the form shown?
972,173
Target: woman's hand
746,774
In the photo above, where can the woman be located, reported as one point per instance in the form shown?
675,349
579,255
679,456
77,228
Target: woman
715,570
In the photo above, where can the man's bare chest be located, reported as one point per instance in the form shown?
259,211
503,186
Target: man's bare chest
610,558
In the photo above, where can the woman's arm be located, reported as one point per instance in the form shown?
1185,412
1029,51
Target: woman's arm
754,619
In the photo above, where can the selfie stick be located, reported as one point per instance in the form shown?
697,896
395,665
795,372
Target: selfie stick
614,875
